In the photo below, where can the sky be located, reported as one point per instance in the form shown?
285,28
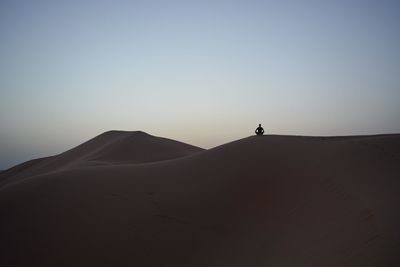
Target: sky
202,72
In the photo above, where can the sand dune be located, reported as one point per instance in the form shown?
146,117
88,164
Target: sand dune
127,198
112,147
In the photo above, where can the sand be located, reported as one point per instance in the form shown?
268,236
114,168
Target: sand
132,199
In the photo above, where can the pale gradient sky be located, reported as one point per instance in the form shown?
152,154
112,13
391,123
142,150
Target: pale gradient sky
202,72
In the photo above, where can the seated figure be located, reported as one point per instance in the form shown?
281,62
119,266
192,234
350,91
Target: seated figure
259,130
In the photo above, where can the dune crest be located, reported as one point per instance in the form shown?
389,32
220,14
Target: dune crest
259,201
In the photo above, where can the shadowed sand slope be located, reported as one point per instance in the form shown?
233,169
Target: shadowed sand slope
258,201
108,148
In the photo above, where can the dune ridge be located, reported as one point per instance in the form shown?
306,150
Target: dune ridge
259,201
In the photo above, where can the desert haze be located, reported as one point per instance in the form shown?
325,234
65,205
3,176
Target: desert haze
133,199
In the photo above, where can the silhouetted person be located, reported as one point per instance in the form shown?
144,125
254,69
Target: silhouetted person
259,130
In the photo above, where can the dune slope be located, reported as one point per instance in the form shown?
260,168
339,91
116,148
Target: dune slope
258,201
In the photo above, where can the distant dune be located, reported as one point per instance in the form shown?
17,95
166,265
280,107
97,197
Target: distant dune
112,147
132,199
